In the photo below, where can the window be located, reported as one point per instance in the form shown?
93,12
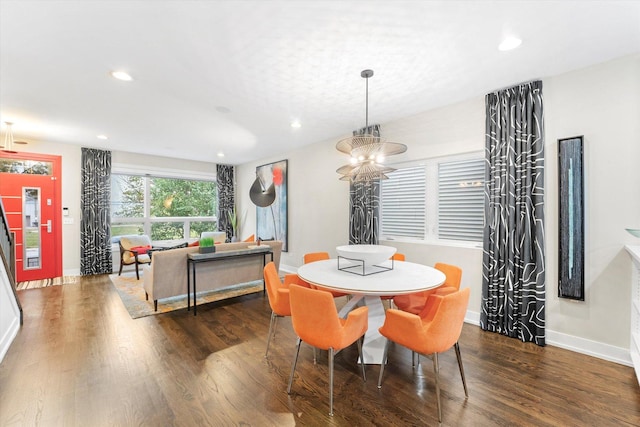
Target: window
439,199
163,208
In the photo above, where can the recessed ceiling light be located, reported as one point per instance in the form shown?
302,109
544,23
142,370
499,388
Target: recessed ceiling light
221,154
296,124
509,43
121,75
102,137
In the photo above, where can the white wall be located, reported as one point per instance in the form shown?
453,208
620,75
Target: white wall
600,102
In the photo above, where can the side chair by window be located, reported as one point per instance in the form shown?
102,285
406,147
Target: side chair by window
133,250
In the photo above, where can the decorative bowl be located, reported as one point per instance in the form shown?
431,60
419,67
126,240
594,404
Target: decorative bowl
370,254
633,231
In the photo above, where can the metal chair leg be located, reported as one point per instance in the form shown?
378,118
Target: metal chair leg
272,330
364,376
413,359
464,381
331,381
384,360
293,367
436,369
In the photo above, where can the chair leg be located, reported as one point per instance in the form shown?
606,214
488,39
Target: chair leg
146,296
155,305
436,369
331,354
364,376
464,381
272,330
413,359
137,273
120,271
384,361
293,367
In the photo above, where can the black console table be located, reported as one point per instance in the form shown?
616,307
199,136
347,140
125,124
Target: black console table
196,258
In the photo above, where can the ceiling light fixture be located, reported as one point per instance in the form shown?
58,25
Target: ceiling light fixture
121,75
102,136
367,151
509,43
7,147
296,124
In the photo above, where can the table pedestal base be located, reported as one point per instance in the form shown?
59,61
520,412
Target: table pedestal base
373,346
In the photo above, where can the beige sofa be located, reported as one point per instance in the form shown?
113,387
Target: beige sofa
166,276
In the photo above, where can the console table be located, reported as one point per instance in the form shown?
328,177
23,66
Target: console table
194,259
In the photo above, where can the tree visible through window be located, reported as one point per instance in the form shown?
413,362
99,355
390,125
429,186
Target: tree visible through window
165,208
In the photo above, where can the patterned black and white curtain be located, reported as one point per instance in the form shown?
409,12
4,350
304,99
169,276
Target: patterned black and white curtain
226,198
513,285
364,206
95,206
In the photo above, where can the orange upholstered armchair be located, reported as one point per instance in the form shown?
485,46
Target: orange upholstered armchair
315,320
278,294
415,303
321,256
436,330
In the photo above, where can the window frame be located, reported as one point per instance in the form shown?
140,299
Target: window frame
431,227
147,220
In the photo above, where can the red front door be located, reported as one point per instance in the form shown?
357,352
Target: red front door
31,201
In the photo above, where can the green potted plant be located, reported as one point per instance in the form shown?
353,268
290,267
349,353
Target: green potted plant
207,245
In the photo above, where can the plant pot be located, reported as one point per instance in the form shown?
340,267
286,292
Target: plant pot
206,249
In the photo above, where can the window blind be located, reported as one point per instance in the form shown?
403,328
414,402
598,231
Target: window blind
403,203
461,200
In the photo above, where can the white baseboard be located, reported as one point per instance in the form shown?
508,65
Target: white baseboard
579,345
71,272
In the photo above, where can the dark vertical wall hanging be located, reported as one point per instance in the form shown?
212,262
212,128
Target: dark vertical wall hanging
226,198
571,218
513,264
364,204
95,206
272,220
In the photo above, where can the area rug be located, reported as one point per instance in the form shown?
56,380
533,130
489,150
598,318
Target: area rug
56,281
132,294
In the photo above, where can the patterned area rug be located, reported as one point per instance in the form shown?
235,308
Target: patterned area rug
132,294
56,281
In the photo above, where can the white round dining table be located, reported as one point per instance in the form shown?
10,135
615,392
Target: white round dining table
401,278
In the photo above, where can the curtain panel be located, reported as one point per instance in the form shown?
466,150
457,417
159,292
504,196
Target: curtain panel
364,204
513,286
226,198
95,207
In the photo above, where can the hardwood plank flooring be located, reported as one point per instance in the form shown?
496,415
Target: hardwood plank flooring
80,360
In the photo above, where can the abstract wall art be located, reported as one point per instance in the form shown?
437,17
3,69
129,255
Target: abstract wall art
271,221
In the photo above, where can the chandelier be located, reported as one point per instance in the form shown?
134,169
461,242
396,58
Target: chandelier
367,151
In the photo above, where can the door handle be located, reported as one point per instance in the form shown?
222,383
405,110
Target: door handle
48,225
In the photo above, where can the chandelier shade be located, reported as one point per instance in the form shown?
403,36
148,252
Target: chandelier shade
367,151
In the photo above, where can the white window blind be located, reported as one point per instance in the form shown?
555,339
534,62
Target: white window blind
403,203
461,200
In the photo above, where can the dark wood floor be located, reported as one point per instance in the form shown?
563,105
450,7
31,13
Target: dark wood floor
80,360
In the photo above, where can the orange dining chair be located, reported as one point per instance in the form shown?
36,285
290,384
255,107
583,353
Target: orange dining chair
278,294
415,302
321,256
251,238
436,330
316,322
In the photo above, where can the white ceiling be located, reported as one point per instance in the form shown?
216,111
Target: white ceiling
230,76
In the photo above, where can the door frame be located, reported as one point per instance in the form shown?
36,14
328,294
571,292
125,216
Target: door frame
56,174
